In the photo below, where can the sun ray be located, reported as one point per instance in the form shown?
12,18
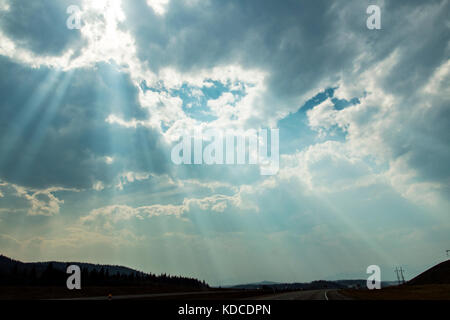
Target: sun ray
43,127
25,118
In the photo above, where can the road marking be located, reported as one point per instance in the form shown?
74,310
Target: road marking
326,297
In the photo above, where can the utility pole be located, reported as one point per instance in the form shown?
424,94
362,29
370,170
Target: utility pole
398,277
401,273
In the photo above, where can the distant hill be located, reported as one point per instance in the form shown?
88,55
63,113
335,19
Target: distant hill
320,284
14,272
289,286
439,274
253,285
6,265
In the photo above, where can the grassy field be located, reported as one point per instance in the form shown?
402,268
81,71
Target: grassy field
405,292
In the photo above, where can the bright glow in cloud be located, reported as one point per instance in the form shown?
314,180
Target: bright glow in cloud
159,6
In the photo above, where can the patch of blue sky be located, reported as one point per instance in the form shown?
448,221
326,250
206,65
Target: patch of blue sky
340,104
194,103
195,99
215,89
158,88
295,132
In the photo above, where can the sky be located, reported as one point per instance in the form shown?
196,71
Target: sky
89,116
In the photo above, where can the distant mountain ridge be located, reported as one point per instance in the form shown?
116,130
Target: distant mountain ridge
319,284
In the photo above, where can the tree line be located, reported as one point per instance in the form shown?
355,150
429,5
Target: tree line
52,276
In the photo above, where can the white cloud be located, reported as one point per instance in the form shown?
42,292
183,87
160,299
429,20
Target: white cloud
403,179
98,186
109,160
4,5
322,117
384,123
117,213
329,167
130,176
42,201
113,119
105,41
158,6
47,207
439,82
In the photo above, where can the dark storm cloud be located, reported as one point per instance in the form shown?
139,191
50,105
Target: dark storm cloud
40,25
294,41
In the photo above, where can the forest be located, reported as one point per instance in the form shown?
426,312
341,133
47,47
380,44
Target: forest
16,273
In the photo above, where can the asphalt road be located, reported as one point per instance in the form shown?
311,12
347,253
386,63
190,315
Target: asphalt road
328,294
305,295
149,296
